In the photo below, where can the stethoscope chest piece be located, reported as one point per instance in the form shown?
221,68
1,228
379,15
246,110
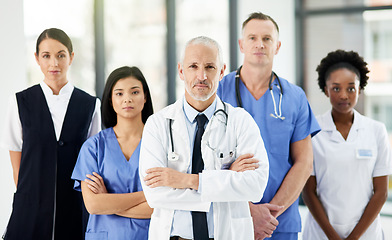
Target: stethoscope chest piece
172,156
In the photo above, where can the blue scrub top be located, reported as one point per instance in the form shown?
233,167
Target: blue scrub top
102,154
277,134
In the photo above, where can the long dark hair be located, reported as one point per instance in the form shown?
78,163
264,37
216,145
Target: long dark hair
109,116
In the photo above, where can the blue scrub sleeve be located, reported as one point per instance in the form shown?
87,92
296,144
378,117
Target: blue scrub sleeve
306,123
137,182
86,163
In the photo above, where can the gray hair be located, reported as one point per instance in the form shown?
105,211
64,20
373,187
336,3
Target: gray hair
206,41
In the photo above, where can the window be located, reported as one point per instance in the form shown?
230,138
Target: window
75,18
213,23
322,5
323,34
135,35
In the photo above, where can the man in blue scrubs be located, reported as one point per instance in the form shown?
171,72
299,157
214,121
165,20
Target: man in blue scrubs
286,123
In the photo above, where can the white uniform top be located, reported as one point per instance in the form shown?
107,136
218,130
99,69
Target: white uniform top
344,171
58,104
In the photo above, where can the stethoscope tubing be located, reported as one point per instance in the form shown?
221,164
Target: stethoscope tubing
224,111
239,99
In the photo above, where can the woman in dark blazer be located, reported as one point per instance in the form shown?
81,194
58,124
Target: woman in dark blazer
46,126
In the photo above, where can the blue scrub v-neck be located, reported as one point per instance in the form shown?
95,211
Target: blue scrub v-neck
102,154
120,150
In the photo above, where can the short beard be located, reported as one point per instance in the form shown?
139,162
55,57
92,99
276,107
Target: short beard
199,98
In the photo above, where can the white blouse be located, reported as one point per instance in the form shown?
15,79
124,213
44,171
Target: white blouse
13,139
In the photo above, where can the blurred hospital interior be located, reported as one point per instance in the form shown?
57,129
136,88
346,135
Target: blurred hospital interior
150,34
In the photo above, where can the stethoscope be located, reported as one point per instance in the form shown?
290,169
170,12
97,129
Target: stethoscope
238,94
173,156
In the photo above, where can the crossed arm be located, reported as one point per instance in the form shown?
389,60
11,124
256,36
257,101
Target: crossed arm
99,201
167,177
175,189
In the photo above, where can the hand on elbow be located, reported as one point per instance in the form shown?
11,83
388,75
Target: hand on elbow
167,177
95,183
245,162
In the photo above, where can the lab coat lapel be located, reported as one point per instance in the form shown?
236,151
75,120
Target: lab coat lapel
179,128
211,128
212,125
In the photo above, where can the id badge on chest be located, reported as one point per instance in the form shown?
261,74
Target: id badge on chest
364,153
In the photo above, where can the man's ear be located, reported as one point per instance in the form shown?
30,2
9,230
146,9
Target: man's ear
222,72
278,47
240,45
180,71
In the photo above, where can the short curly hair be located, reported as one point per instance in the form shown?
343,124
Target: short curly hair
342,59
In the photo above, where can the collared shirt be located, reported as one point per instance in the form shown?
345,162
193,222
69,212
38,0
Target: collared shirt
57,104
182,220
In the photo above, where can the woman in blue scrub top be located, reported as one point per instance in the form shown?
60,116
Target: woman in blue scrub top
107,168
352,160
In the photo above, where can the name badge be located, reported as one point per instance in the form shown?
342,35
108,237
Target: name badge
363,153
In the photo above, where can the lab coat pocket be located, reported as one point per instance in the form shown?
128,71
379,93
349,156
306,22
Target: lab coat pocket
242,228
241,221
239,210
102,235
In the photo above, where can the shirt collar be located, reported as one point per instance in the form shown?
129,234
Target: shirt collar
330,125
66,90
191,113
357,124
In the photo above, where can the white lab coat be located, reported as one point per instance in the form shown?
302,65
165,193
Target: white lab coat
229,191
344,171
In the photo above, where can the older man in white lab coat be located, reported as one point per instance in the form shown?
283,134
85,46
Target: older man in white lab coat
232,157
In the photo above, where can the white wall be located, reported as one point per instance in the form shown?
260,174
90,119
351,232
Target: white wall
13,78
283,12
